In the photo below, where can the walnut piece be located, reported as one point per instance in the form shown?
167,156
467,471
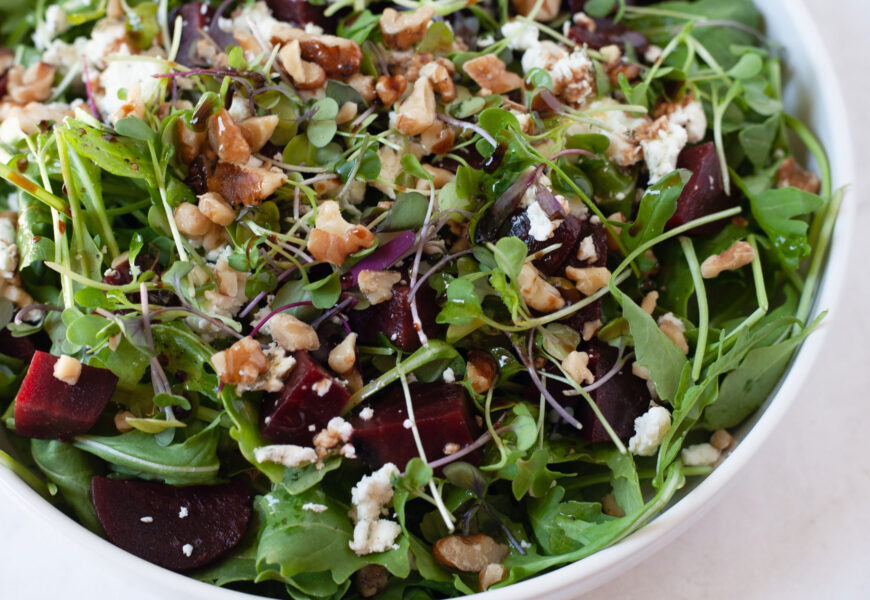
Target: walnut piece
672,327
243,362
306,75
226,139
491,575
590,279
738,255
258,130
469,553
590,328
216,209
549,9
243,184
67,369
417,113
441,80
576,364
371,580
481,370
791,174
491,74
438,139
190,221
342,358
721,440
31,84
401,30
333,239
390,88
339,58
377,286
189,142
538,293
440,178
293,334
648,304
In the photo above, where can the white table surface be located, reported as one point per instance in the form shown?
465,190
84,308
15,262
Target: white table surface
795,524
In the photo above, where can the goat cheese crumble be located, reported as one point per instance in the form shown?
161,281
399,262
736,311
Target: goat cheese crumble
369,497
649,430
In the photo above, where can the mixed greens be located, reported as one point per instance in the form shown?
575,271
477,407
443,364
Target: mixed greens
573,239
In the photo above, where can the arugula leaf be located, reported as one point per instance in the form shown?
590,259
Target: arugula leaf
777,213
71,470
757,140
246,432
136,453
408,212
657,205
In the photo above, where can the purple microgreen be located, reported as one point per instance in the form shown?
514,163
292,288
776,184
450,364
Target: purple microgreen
550,100
548,201
89,91
435,268
470,126
571,151
20,316
335,311
383,257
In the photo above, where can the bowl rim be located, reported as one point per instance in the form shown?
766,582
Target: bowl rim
602,566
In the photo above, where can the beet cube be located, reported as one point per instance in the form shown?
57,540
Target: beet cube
590,312
22,348
46,407
444,417
393,318
310,398
179,528
704,194
606,33
299,12
567,234
195,17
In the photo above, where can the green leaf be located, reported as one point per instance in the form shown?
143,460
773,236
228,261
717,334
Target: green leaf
411,165
657,206
757,140
530,476
88,330
322,127
135,128
654,350
71,470
510,255
246,432
777,212
137,453
325,292
163,400
747,67
119,155
462,306
299,480
408,212
438,39
153,426
599,8
342,93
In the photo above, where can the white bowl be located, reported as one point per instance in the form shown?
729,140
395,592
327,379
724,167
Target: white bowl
813,93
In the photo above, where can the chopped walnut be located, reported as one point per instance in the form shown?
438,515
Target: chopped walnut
333,238
364,85
190,221
609,506
306,75
481,370
451,448
590,328
438,139
189,142
377,286
672,327
339,58
216,209
134,105
243,184
402,30
648,304
120,421
342,358
791,174
441,80
30,84
226,139
469,553
390,88
440,178
491,74
67,369
576,364
491,575
590,279
293,334
417,113
32,114
721,440
538,293
243,362
346,113
640,371
738,255
258,130
549,9
371,580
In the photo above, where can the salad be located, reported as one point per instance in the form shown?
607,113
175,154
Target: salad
340,299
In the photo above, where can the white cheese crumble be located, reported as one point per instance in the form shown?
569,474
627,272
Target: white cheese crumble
314,507
407,424
700,455
8,249
526,35
662,150
183,512
187,549
54,23
288,455
690,115
367,413
67,369
540,226
587,250
649,430
312,29
672,319
322,387
280,363
340,427
619,126
124,75
147,519
369,497
258,15
448,376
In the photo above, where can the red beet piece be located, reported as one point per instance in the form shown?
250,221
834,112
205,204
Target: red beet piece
46,407
567,234
22,348
179,528
195,17
608,32
592,311
298,12
393,318
621,400
304,402
443,414
704,194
